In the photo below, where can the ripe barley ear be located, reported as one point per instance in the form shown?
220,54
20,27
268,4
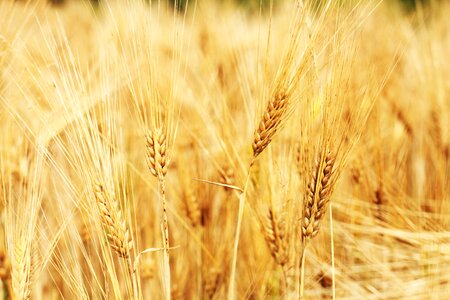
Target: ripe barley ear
114,224
275,236
270,122
317,197
157,157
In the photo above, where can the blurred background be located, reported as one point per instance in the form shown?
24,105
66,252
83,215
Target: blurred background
255,4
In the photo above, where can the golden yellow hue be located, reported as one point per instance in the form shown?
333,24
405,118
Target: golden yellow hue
297,151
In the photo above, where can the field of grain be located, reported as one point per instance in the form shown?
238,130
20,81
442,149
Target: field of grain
222,150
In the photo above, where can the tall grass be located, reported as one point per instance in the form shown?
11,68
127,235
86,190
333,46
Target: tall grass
210,151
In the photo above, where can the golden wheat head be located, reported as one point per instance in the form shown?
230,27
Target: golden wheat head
114,224
317,197
275,235
157,157
270,122
21,270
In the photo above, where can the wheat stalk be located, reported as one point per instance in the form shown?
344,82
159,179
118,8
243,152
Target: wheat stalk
269,124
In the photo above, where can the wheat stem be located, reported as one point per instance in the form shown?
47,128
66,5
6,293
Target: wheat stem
232,286
165,229
302,271
332,253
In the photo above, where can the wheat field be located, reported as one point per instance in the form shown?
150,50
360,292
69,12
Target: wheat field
224,150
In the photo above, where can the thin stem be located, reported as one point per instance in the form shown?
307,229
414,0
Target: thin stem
284,283
133,278
165,231
162,189
199,268
232,286
332,253
302,274
9,289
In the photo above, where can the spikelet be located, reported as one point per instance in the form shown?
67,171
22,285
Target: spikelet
275,236
317,197
270,122
157,158
113,222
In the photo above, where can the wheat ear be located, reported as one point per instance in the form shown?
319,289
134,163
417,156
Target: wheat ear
275,236
21,270
158,161
118,235
192,206
317,197
270,122
117,232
